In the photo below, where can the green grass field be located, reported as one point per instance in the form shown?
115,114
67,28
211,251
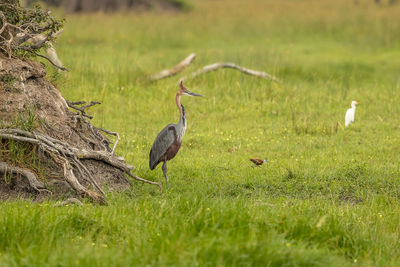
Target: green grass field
327,196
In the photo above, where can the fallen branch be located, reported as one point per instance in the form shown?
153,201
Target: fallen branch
30,176
219,65
173,71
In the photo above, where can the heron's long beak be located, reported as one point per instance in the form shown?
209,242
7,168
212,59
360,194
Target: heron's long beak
192,94
358,102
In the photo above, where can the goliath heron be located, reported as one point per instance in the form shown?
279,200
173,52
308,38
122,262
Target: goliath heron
169,140
349,118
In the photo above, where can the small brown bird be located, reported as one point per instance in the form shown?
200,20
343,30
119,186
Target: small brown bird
258,162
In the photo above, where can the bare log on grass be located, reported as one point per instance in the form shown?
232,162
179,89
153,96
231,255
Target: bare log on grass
220,65
173,71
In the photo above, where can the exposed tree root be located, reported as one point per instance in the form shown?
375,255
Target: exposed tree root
83,113
76,153
219,65
144,180
81,109
69,158
80,189
104,155
111,133
6,168
173,71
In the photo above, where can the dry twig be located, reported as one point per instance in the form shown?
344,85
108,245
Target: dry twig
219,65
81,109
173,71
144,180
111,133
48,59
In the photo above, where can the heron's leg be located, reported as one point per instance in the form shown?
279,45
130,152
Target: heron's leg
164,169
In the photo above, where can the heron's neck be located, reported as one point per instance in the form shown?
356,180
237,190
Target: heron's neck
182,115
353,106
178,103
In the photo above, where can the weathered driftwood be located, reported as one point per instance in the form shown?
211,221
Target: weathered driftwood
67,156
173,71
219,65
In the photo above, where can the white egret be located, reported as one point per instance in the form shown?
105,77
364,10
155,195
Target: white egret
349,118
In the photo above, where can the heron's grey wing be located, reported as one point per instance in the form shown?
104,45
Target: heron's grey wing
161,144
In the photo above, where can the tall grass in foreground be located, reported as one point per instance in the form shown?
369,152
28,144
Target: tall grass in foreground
328,196
193,230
